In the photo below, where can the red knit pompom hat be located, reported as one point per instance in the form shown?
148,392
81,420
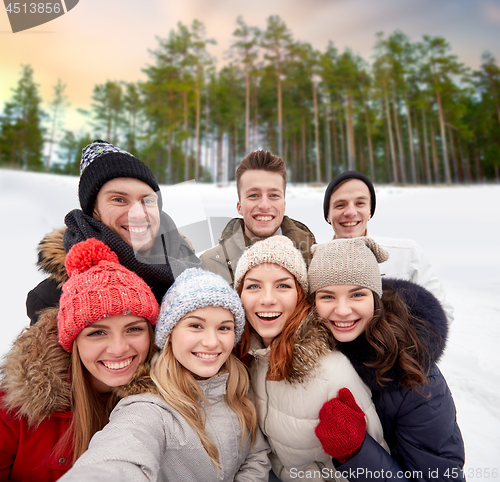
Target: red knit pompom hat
99,287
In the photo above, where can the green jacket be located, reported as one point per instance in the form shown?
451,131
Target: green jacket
222,259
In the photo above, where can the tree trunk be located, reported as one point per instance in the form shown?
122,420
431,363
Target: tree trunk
350,134
410,141
197,134
369,139
293,161
446,161
434,154
342,134
465,163
456,169
316,131
280,114
478,165
255,126
426,150
335,141
169,157
402,168
387,152
206,160
304,150
419,163
186,156
391,139
328,150
247,108
220,139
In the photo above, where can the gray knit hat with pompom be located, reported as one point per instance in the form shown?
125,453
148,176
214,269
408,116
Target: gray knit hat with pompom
196,288
348,261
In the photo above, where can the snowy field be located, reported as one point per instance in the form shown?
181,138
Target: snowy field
458,228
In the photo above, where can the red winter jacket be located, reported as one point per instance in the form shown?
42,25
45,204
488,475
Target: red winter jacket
35,407
27,452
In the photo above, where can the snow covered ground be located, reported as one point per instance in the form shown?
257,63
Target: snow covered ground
458,227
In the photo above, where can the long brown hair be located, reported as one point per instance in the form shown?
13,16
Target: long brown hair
282,347
392,332
181,390
90,408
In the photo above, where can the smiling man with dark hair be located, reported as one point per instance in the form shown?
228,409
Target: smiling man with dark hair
261,185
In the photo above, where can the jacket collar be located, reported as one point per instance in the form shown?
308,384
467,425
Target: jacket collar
233,239
35,372
311,342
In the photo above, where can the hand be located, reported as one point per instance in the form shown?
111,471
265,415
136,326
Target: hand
342,426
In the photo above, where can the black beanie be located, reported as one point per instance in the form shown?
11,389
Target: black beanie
345,176
101,162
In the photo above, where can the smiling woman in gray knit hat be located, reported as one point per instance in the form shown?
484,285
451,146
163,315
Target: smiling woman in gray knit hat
393,333
121,205
293,369
195,422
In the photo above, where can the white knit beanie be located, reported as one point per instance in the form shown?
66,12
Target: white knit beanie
277,250
347,261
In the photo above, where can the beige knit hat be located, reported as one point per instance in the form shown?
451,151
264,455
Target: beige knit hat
278,250
348,261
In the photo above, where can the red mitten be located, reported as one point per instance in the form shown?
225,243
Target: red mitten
342,426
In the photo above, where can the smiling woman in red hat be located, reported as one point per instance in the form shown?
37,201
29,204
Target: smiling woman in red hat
57,380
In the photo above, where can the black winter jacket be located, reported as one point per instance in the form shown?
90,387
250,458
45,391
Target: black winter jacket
420,428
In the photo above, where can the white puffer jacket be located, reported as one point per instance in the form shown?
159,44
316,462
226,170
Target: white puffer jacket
288,410
408,261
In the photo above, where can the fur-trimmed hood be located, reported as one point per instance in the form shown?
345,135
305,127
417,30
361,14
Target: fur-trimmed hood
433,332
311,341
51,256
34,374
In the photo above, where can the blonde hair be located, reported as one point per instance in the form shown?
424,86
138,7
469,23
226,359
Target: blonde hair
90,410
180,389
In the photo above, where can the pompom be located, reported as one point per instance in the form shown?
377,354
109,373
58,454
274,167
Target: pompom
86,254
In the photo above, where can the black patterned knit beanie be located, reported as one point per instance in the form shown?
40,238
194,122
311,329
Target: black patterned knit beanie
101,162
347,176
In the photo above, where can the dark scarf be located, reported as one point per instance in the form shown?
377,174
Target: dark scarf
170,255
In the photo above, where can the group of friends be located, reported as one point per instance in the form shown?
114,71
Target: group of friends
270,357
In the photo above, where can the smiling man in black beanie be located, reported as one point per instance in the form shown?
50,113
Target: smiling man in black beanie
349,204
121,205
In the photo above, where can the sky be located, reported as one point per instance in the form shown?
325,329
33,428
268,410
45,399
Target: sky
100,40
465,258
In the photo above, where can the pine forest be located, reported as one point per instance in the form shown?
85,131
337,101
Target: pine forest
410,114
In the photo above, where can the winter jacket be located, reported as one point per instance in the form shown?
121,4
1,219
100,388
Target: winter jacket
222,259
408,261
171,255
420,428
35,409
288,410
146,439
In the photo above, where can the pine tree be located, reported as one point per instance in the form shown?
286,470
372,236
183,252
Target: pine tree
21,131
